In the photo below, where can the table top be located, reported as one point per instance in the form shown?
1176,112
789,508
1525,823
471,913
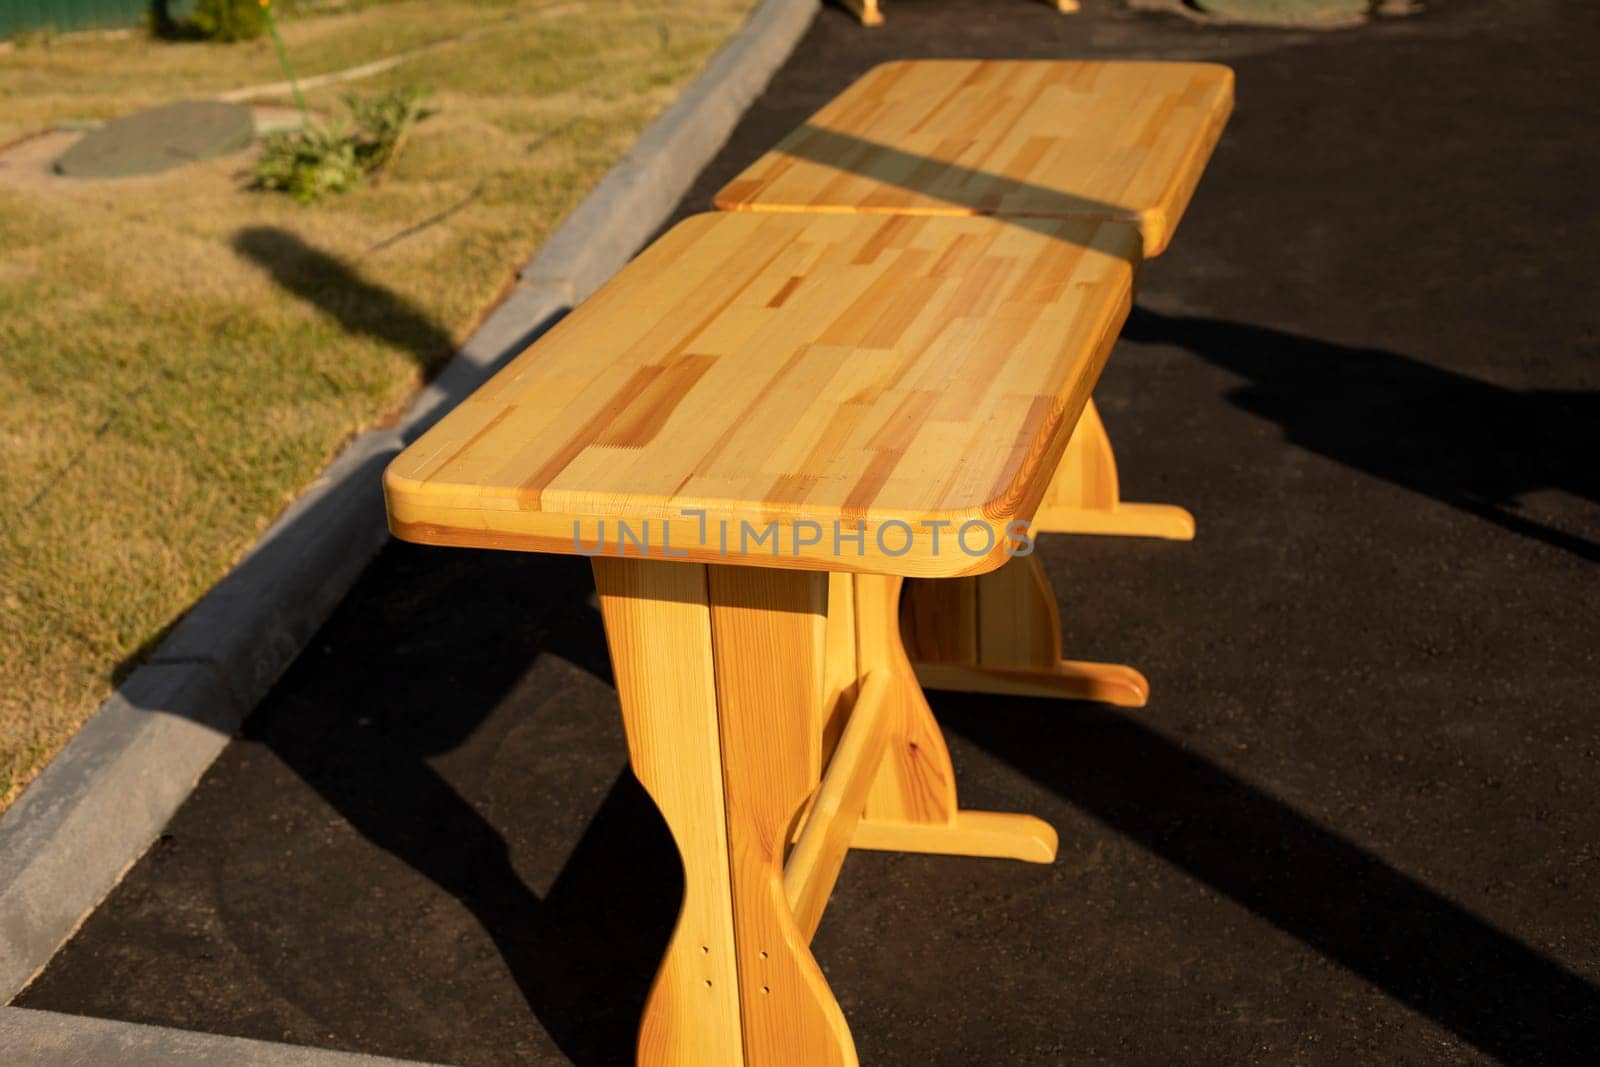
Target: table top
789,372
1051,139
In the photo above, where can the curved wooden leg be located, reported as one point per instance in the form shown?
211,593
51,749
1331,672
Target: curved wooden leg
658,626
768,628
911,806
1084,497
719,672
1001,633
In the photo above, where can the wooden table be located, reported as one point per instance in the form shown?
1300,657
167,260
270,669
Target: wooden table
758,429
1024,140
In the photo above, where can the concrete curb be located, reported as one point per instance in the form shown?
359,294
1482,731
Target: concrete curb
95,809
50,1039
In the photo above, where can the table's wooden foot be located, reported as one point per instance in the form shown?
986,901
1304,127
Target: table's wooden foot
998,834
1084,496
1001,633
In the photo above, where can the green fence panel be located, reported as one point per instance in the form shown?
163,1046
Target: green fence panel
19,16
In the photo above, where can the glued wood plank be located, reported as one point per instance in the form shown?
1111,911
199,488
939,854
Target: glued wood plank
829,392
1041,139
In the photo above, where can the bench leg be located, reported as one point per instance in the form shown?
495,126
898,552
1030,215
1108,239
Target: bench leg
1001,633
719,673
911,804
1083,497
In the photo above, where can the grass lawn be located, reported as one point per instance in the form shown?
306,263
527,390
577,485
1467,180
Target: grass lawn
179,356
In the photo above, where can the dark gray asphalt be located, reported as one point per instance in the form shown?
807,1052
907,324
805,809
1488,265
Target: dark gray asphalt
1358,821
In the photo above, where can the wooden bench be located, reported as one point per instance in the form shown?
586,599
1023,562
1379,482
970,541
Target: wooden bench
758,429
1023,140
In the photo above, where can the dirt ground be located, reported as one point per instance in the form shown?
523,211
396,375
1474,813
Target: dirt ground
1358,820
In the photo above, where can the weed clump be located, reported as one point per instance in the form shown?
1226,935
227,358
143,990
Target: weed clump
319,159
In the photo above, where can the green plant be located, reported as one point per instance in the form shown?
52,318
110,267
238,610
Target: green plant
335,157
283,61
229,20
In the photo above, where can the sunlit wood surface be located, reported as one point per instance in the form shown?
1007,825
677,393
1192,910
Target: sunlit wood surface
1048,139
789,369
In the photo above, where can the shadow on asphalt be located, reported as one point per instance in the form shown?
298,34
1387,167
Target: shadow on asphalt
438,672
1406,939
1461,441
575,953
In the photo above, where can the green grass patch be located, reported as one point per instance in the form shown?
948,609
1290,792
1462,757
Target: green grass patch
182,354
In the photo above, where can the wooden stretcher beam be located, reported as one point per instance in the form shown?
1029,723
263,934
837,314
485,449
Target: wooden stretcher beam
813,864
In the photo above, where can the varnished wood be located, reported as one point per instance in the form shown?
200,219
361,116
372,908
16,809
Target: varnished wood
658,626
912,802
865,10
784,373
1039,139
1065,679
820,846
1001,633
719,672
994,834
768,629
1084,496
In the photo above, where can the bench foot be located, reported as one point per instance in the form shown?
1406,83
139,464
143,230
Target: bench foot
865,10
1166,521
1103,683
1084,496
1000,633
995,834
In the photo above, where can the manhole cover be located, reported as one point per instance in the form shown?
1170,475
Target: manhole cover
158,139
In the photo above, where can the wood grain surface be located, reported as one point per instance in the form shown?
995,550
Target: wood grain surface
783,373
1049,139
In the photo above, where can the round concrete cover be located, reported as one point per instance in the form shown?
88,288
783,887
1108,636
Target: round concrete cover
158,139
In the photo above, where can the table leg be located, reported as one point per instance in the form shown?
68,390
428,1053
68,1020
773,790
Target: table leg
1083,497
911,806
1001,633
720,673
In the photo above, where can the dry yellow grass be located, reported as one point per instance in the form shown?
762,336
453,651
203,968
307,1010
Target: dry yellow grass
179,356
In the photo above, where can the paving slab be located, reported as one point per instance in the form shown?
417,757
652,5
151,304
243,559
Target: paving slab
1357,821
